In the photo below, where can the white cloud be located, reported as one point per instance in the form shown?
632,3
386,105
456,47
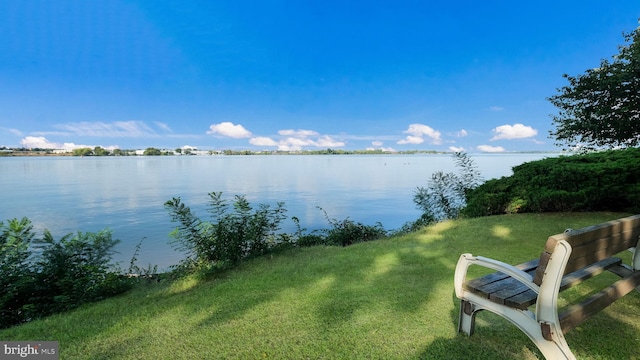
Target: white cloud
420,130
417,132
297,142
39,142
327,141
130,128
298,133
384,149
229,129
411,140
71,146
377,145
114,129
496,108
491,149
294,140
262,141
16,132
163,126
456,149
42,143
294,144
516,131
462,133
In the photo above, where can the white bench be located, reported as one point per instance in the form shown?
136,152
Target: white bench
527,294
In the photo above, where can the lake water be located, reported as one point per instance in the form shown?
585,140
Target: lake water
126,194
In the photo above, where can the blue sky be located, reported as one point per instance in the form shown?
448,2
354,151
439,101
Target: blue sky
267,75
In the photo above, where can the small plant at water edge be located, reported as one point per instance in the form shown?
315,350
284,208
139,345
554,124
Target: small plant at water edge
347,232
135,271
233,233
42,276
445,196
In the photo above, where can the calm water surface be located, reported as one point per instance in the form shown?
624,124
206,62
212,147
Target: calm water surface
126,194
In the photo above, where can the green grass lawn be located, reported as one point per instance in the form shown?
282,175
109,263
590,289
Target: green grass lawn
388,299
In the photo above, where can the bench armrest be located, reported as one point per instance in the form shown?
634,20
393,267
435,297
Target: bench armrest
467,260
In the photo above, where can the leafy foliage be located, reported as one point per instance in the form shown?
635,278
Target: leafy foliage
231,235
238,231
45,276
348,232
589,182
445,196
75,270
96,151
135,270
150,151
15,276
303,239
601,108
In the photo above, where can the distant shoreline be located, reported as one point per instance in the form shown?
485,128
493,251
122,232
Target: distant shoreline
49,153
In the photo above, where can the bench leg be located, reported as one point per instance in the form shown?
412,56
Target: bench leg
557,348
467,320
554,349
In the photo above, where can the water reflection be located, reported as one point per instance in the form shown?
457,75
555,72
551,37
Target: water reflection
126,194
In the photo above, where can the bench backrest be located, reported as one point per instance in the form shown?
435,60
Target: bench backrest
592,244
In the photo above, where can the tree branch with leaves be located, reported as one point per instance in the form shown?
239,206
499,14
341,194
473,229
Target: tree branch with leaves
600,109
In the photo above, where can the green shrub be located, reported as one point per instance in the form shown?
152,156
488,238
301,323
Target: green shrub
603,181
347,232
303,239
45,276
136,271
411,226
445,195
231,235
75,270
515,206
16,276
311,240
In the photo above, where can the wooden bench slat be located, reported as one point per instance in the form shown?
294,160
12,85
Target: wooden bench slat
576,314
502,289
475,284
523,300
593,243
588,272
515,288
504,284
621,270
601,248
609,244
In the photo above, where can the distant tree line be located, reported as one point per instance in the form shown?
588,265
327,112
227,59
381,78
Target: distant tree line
328,151
99,151
151,151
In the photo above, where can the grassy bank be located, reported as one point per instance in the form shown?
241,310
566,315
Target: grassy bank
388,299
